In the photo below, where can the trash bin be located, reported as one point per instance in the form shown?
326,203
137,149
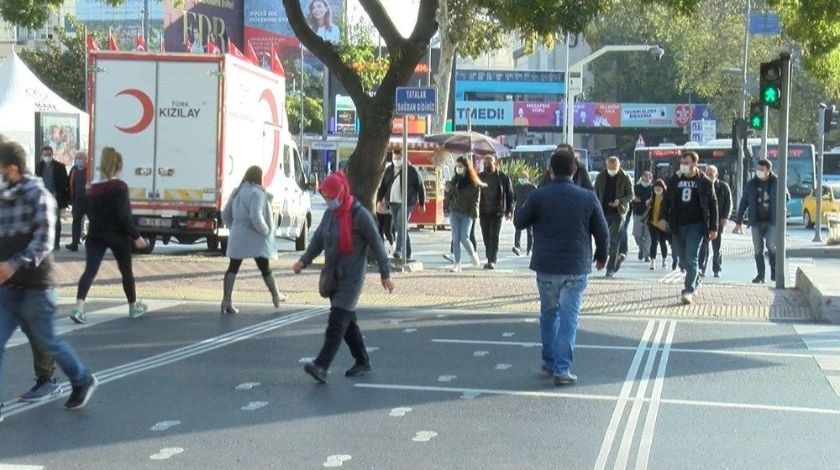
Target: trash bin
833,228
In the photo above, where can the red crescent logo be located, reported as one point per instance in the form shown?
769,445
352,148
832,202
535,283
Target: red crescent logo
148,111
268,97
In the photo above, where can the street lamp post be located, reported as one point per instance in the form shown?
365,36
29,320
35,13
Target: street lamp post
574,78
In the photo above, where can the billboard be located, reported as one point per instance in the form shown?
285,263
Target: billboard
662,115
345,115
59,131
198,21
266,24
484,113
537,113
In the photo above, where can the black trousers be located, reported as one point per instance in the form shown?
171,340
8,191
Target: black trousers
79,211
342,325
95,247
615,222
660,238
717,257
262,265
386,227
57,244
491,226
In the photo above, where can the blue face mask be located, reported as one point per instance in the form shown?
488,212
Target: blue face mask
333,204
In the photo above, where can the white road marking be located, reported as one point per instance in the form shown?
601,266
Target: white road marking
643,457
447,378
752,406
167,453
20,467
470,395
164,425
247,385
254,405
503,366
508,335
337,460
371,349
626,388
304,360
487,391
399,412
409,330
176,355
638,401
480,353
424,436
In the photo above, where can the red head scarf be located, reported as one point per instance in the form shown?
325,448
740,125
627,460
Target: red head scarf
336,186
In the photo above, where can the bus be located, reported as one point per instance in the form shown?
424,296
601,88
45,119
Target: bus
831,166
663,161
540,155
801,172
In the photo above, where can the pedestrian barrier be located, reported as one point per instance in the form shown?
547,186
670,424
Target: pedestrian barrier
833,228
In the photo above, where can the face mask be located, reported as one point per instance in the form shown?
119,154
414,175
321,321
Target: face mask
658,191
645,184
398,163
46,159
460,170
523,180
685,169
761,174
333,204
80,164
612,172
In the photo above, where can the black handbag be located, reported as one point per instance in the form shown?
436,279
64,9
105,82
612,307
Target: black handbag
328,283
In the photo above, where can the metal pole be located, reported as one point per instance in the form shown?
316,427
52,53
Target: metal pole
469,121
569,116
404,170
87,71
764,132
566,80
820,151
146,23
429,117
781,184
740,188
302,98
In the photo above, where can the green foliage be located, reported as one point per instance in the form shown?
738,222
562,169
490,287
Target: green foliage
472,29
30,13
356,48
513,167
61,64
313,105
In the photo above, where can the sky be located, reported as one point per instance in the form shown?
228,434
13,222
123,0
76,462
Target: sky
403,13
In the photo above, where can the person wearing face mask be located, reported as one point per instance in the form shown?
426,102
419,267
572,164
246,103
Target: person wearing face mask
57,182
690,213
345,235
724,200
390,194
657,237
615,191
521,190
759,203
495,204
462,198
581,176
78,197
642,194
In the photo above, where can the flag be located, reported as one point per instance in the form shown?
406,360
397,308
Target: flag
233,50
112,41
90,43
251,54
276,65
212,48
141,42
187,46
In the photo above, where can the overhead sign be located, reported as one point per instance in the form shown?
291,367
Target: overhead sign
416,100
703,131
765,23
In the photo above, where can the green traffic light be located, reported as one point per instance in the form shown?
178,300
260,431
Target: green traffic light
770,95
755,122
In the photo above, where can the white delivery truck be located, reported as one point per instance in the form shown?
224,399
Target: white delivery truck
188,127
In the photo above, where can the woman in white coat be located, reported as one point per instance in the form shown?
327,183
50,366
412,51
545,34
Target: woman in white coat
250,219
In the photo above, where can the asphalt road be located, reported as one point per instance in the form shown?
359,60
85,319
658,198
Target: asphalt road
183,387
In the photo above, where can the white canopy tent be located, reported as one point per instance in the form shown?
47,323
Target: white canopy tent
22,95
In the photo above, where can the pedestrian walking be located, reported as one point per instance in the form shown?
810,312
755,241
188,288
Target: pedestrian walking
690,212
78,197
27,270
462,199
496,203
658,238
111,227
390,192
344,235
724,202
54,176
565,219
614,189
642,193
759,204
521,190
249,217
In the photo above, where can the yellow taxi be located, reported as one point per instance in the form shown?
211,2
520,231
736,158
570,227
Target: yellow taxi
830,203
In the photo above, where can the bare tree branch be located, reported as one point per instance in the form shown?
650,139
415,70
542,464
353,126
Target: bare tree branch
382,22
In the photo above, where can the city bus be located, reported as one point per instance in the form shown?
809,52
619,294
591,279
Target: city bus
540,155
831,166
801,171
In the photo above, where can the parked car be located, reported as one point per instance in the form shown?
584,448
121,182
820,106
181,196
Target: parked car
830,203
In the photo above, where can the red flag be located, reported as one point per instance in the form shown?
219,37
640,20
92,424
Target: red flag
251,54
212,48
233,50
141,42
276,65
91,44
112,41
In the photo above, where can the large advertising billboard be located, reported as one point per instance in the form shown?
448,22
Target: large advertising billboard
645,115
124,21
266,24
199,21
60,132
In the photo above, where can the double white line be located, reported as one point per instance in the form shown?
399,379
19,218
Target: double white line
649,346
159,360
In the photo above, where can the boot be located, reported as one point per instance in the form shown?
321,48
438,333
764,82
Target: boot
227,303
276,297
772,257
759,266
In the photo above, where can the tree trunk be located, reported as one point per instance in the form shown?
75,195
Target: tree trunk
444,72
365,169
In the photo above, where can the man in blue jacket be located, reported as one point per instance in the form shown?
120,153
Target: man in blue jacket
564,218
759,199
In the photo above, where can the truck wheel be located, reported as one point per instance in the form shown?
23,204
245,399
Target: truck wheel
303,238
152,239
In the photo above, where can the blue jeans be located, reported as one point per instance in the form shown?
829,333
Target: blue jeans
685,241
461,225
764,235
561,297
396,214
35,309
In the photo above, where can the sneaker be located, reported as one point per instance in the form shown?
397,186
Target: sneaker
717,273
610,274
43,389
702,273
517,251
565,379
620,260
476,261
641,257
138,310
317,373
449,257
653,265
546,372
72,247
397,255
455,268
358,370
687,298
78,316
647,259
81,394
758,280
528,253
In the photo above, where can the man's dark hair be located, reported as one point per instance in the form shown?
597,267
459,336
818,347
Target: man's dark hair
12,153
562,162
46,147
566,147
765,163
692,155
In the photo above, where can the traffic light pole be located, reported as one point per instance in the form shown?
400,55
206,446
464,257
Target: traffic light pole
781,184
764,132
739,188
820,150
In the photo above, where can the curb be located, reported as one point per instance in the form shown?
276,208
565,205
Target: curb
823,301
820,252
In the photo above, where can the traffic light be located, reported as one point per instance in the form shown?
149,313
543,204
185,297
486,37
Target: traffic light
770,83
832,118
756,115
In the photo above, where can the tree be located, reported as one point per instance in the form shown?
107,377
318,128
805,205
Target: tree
313,104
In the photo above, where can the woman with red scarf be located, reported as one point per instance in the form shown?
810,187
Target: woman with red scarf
345,234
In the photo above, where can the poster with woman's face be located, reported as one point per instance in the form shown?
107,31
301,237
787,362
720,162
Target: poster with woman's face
266,24
60,132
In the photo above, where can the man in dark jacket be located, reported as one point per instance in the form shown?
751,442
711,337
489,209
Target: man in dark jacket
642,193
54,175
565,219
495,203
614,189
690,212
27,274
724,202
78,197
390,193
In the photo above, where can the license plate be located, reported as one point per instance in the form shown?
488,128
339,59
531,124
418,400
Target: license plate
153,222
